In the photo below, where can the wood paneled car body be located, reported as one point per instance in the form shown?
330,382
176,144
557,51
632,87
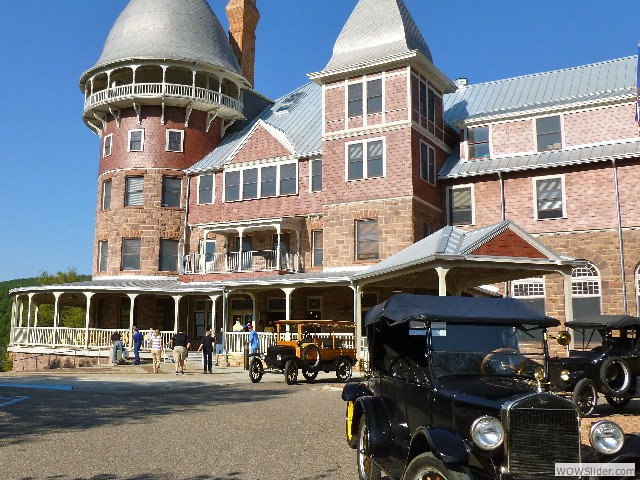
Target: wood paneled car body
308,345
458,391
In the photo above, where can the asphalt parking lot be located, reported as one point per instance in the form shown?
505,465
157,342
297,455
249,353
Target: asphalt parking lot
123,425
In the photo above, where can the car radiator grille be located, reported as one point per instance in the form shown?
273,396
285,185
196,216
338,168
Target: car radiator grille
538,439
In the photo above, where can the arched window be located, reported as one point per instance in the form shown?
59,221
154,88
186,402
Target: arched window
530,291
585,283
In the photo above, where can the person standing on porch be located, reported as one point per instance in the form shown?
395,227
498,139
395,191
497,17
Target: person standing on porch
137,344
207,350
254,342
116,339
180,344
155,340
218,346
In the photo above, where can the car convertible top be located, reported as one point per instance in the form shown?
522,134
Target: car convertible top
611,321
405,307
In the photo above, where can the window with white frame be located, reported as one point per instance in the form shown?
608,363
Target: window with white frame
315,175
427,163
585,288
478,142
136,140
367,239
134,191
371,90
103,255
261,182
365,159
460,205
130,254
426,103
549,133
530,291
549,197
317,242
205,189
175,140
374,96
106,194
171,190
108,142
354,93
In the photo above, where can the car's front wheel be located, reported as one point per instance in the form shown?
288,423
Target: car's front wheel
291,372
367,470
585,396
343,370
615,376
310,375
617,402
428,467
256,370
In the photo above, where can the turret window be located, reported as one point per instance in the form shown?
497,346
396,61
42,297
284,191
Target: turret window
365,159
426,104
134,191
106,194
175,140
136,140
374,96
355,100
168,255
367,241
103,255
356,94
171,189
427,163
130,254
108,140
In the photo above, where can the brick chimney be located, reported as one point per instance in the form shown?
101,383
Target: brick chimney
243,21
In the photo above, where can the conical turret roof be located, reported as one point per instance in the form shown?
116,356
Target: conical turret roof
375,30
184,30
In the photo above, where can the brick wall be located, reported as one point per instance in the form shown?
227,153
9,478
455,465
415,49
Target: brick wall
260,145
599,125
510,137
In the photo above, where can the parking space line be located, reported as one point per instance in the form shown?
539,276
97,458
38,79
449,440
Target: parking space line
38,387
9,400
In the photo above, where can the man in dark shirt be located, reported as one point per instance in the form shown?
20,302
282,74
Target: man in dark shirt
207,350
137,344
116,339
180,344
218,346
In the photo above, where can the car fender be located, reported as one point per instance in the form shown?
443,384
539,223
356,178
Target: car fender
445,445
378,425
630,452
352,391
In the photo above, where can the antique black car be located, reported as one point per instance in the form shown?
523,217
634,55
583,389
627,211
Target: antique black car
605,358
311,346
458,391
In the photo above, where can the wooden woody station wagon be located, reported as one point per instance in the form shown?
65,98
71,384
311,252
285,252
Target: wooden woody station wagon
217,205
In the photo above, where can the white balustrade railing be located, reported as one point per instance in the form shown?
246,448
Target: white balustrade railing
167,89
234,342
251,261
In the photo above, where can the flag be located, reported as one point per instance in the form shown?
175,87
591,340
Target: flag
638,88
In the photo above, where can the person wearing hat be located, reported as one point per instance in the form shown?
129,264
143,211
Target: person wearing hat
137,344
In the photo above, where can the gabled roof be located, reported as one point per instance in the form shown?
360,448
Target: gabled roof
451,242
375,30
300,125
185,30
553,89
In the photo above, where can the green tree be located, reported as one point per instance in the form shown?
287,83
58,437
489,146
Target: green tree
70,316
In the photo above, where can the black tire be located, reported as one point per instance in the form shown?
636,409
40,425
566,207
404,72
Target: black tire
617,402
585,396
344,370
427,466
615,377
310,375
256,370
306,353
291,372
367,470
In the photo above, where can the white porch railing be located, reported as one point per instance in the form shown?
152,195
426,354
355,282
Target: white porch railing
252,261
166,89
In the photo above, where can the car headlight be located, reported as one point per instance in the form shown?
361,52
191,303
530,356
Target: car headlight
564,375
606,437
487,432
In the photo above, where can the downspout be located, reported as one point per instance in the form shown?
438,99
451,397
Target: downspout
186,216
507,287
620,240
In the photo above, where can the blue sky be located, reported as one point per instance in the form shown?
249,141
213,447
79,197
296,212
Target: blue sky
50,158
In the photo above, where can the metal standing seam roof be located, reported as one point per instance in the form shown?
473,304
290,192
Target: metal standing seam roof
555,88
185,30
301,125
375,30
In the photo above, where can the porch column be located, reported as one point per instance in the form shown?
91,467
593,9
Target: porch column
14,310
20,314
37,314
214,299
253,311
225,301
297,257
176,300
568,302
442,281
55,317
357,315
278,251
132,296
29,312
287,296
86,319
239,247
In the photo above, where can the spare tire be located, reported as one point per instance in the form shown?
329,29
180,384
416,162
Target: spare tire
311,356
615,377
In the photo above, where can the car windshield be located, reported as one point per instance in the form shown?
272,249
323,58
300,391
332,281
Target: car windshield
504,350
586,338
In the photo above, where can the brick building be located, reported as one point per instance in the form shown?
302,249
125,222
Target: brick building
217,204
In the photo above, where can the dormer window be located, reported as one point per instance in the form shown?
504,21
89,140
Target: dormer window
478,141
549,133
